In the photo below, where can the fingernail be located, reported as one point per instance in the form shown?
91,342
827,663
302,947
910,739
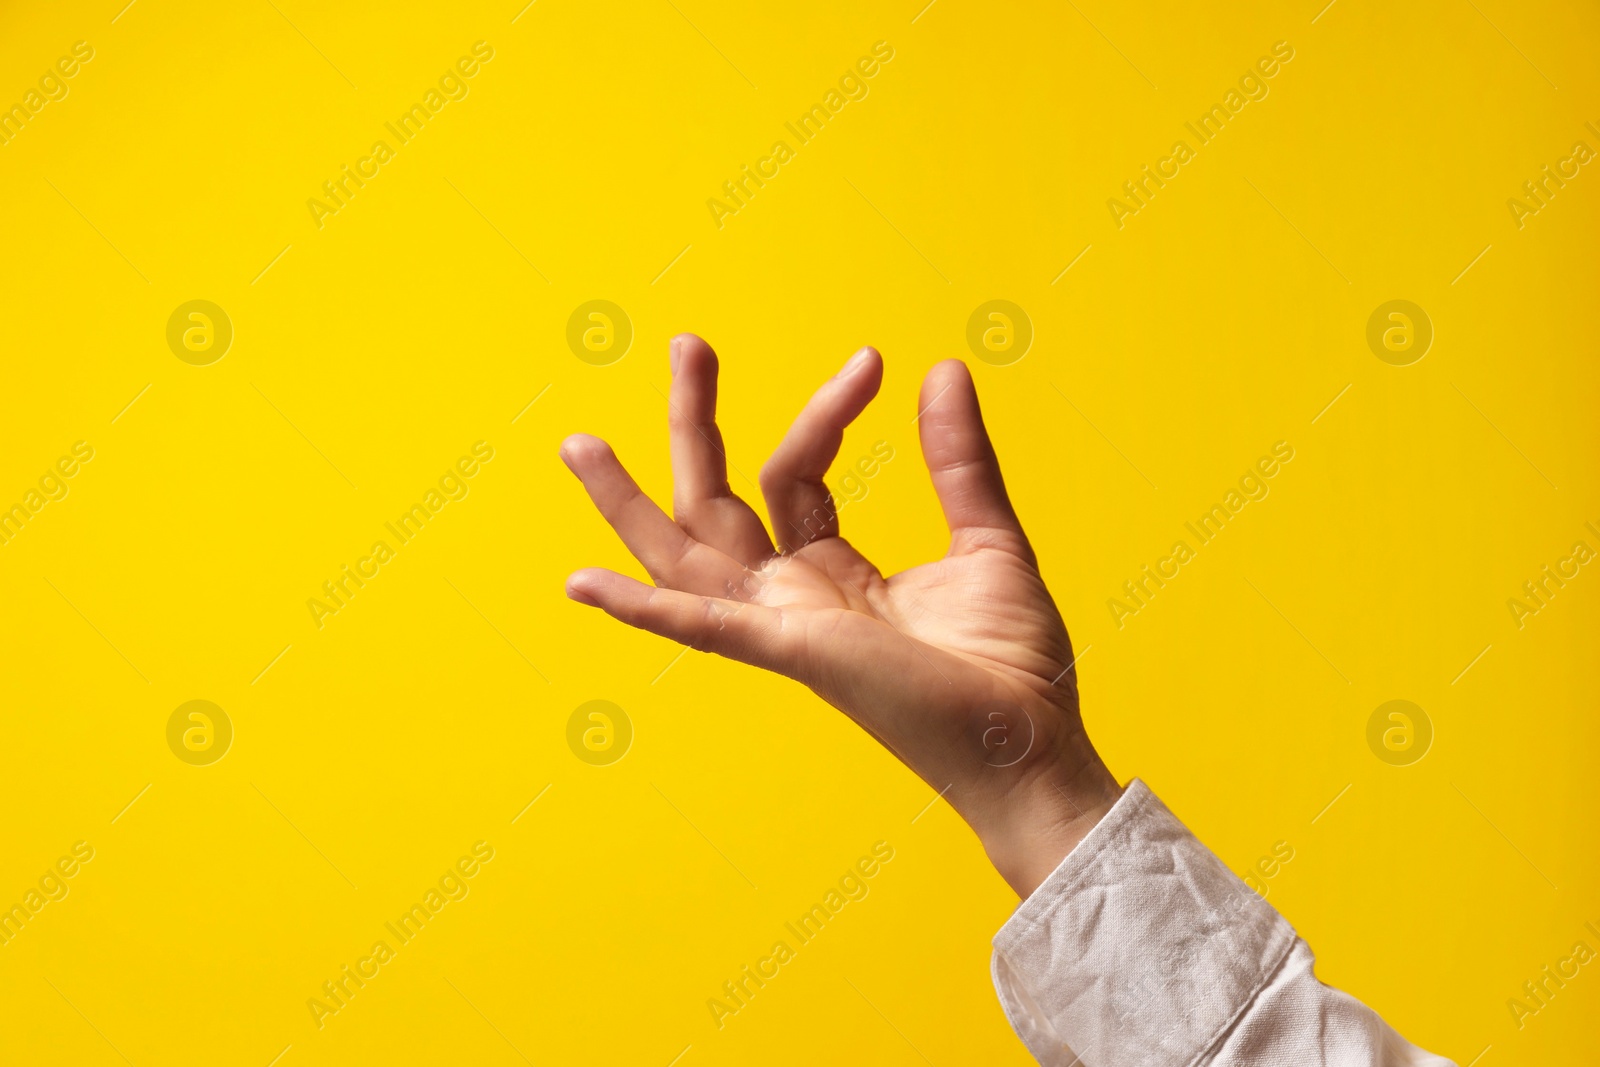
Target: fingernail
855,363
579,595
672,357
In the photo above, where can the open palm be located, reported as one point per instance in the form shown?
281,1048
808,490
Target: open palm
962,667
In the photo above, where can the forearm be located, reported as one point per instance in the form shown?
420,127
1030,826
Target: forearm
1142,948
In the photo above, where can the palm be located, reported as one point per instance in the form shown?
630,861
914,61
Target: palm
921,659
987,607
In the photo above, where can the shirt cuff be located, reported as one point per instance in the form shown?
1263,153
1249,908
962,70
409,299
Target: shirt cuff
1140,948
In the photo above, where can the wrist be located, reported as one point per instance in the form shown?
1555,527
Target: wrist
1029,830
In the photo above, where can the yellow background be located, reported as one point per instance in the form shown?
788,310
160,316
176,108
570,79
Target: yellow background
1223,317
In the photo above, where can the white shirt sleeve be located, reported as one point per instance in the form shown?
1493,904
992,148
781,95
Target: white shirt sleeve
1143,950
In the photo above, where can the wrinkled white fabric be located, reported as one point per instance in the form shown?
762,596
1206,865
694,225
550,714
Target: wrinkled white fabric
1143,950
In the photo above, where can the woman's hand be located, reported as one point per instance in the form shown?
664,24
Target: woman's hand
961,667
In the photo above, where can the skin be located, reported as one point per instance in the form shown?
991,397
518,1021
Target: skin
961,667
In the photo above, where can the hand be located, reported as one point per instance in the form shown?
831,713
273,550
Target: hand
961,667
